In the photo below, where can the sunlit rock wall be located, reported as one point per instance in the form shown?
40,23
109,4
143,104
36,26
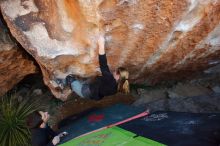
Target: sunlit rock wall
155,39
15,63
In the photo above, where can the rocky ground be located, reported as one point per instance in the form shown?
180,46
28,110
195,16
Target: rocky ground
199,95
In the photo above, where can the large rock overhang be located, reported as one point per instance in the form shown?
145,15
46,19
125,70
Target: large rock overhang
155,40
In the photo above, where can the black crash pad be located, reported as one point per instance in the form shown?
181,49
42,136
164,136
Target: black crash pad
178,129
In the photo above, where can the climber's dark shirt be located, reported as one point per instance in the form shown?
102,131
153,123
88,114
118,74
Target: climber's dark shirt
104,85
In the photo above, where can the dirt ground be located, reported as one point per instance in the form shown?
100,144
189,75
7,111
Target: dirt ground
78,105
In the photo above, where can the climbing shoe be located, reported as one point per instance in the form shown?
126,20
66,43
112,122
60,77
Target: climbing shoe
61,83
69,79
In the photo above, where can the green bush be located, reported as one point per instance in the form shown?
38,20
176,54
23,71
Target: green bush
13,129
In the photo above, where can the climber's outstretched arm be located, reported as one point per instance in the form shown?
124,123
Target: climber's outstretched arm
102,57
101,45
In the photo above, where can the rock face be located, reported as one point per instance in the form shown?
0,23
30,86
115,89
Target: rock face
15,63
156,40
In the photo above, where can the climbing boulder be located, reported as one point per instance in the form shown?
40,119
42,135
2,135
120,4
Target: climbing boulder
15,63
156,40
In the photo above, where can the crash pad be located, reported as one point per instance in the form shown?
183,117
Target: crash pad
114,136
97,118
178,129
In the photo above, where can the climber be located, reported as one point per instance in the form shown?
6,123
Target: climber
105,85
41,133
